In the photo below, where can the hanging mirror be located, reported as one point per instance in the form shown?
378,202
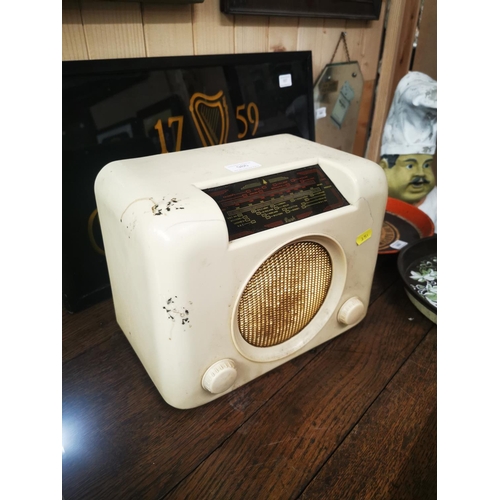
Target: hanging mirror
337,98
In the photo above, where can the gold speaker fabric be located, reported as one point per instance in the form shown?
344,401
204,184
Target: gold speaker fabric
284,294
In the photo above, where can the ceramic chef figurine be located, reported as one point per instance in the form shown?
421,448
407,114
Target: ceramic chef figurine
409,143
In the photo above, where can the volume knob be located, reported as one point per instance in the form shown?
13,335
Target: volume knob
351,312
220,376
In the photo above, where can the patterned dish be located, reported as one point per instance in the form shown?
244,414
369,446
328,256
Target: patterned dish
417,266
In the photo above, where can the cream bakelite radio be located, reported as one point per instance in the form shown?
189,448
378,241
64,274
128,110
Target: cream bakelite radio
227,261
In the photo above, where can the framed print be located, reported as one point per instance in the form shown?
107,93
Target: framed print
127,108
340,9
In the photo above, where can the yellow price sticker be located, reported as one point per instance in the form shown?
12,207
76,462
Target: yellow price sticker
363,237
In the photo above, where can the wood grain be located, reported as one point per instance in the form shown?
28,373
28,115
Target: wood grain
391,451
388,63
283,33
392,63
74,47
365,43
87,328
113,30
332,30
213,31
123,441
425,59
310,37
364,118
168,30
426,50
251,34
283,446
405,43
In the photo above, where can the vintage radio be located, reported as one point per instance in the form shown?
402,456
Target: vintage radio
229,260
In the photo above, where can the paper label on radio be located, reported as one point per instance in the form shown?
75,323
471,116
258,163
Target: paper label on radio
398,244
285,80
246,165
363,237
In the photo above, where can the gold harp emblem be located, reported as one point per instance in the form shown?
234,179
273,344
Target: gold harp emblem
211,117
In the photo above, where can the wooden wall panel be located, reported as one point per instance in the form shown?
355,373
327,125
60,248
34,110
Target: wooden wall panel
310,37
113,30
405,43
402,19
168,30
213,31
364,40
283,32
366,51
426,51
383,100
251,34
364,118
332,31
425,59
373,45
73,36
355,40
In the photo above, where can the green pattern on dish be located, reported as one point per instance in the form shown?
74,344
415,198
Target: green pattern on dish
425,273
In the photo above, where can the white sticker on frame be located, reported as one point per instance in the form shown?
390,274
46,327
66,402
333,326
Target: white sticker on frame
320,113
285,80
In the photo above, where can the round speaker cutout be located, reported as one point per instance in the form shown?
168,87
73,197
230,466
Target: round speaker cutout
284,294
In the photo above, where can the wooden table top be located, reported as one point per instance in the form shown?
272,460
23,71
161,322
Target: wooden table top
354,418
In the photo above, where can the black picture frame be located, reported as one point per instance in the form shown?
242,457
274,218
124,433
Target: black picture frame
105,118
338,9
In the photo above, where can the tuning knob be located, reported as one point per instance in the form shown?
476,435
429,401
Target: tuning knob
220,376
351,311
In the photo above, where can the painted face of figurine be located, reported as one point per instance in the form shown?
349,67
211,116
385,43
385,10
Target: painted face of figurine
410,178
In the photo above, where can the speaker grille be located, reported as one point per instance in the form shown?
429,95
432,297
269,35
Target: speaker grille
284,294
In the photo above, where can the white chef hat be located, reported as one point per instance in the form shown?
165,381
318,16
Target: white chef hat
411,125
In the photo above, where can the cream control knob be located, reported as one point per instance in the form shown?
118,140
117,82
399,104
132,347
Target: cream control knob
351,312
220,376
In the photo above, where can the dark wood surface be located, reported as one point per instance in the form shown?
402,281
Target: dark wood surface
354,418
